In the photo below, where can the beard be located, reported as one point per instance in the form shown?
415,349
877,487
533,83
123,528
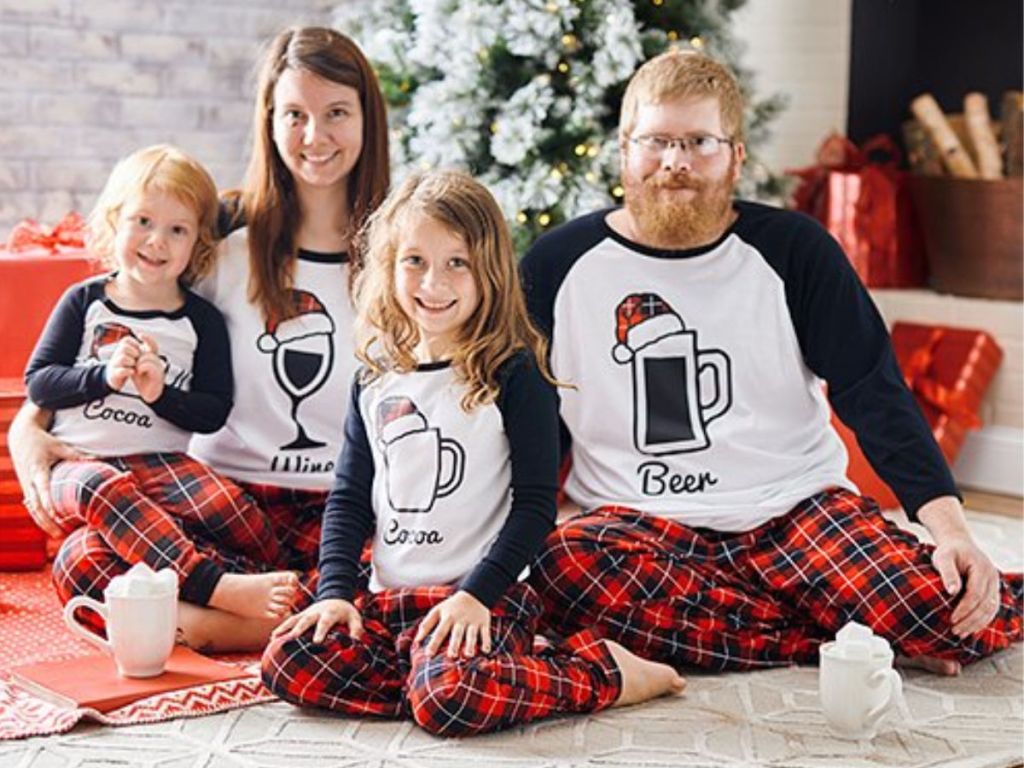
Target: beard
663,220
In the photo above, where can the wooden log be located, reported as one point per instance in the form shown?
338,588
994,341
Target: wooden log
979,128
1012,116
959,163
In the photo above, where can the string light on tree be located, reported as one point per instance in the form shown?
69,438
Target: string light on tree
528,99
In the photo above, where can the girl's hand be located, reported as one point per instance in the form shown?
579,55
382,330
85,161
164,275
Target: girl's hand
33,451
150,370
324,614
462,619
121,365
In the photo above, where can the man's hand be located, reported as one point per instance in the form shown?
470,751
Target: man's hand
324,614
463,620
961,565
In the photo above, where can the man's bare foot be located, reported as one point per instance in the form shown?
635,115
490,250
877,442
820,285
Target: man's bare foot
257,595
643,679
216,631
944,667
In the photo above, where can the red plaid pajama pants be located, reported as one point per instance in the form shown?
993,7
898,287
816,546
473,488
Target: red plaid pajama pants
385,673
770,596
169,510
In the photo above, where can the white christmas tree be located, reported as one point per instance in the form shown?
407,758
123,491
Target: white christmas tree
525,94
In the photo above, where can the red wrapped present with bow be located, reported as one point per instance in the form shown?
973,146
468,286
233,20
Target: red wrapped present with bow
861,197
36,266
23,546
948,370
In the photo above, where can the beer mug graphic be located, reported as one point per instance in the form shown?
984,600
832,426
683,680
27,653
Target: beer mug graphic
678,389
420,466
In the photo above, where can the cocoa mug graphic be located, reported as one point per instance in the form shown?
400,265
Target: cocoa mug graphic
678,388
140,611
420,466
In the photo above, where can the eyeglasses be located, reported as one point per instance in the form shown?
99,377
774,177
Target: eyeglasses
702,145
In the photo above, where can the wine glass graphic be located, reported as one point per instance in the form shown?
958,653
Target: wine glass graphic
302,347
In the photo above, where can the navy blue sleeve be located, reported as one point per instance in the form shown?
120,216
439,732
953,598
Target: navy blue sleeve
544,268
529,412
205,405
52,379
844,341
348,516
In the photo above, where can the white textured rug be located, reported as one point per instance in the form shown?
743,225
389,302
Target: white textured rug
768,718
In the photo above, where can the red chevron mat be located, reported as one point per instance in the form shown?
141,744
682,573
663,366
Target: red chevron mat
31,630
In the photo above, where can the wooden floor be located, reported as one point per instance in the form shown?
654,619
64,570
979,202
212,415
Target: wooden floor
1010,506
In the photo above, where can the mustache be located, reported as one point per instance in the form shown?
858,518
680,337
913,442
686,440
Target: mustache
671,180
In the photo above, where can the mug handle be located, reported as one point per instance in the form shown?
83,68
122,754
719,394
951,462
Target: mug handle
895,683
718,361
458,465
81,601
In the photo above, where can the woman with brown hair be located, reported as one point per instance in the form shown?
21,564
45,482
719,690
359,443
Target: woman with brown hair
319,167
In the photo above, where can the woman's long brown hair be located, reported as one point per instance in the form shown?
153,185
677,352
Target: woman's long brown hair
267,203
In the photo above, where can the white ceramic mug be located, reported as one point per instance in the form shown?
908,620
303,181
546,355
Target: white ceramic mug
856,693
140,628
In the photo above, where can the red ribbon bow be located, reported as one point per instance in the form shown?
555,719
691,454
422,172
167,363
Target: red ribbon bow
69,232
918,375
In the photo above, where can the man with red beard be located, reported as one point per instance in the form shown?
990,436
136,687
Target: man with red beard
711,520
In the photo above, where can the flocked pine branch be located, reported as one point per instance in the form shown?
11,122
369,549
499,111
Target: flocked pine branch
525,94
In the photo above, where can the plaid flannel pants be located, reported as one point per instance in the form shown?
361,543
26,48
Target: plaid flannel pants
770,596
385,673
169,510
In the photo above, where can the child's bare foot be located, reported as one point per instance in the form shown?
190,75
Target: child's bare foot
944,667
258,595
643,679
214,631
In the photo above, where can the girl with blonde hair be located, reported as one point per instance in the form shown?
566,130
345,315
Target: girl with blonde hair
450,463
133,363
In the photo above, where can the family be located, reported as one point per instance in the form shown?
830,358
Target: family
428,481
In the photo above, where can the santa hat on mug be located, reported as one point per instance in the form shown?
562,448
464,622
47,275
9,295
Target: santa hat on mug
397,416
641,319
310,319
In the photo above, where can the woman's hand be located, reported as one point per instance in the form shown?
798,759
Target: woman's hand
149,372
33,451
324,614
462,619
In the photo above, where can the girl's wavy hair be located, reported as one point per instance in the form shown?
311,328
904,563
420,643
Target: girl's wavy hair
159,168
267,203
499,327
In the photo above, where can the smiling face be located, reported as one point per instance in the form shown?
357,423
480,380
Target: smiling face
154,239
434,284
317,129
678,198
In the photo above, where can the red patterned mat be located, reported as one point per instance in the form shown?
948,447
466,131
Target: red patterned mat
31,630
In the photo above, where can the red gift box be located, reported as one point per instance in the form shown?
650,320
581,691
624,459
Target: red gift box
23,546
948,370
863,200
36,267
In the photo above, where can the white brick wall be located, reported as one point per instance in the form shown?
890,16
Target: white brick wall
83,82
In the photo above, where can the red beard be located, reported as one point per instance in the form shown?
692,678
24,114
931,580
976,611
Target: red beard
664,221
